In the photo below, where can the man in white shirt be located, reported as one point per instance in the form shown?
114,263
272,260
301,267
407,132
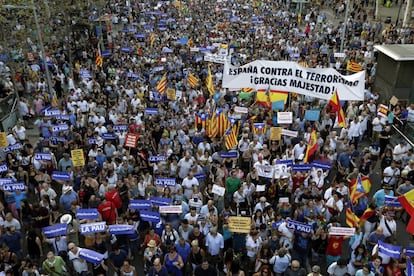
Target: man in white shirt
214,243
377,126
400,151
188,183
79,264
299,150
388,224
391,174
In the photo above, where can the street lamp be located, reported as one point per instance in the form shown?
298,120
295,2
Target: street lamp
345,26
42,48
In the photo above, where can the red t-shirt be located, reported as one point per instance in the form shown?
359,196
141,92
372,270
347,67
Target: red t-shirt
335,245
107,211
113,196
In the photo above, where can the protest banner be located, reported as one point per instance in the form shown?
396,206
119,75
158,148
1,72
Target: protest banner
275,133
78,159
131,140
393,251
60,176
322,165
171,209
43,156
392,201
239,224
151,111
301,168
3,168
120,127
290,76
140,204
55,230
299,226
265,171
121,229
62,117
157,158
289,133
171,95
229,154
170,182
288,163
284,117
3,140
5,181
95,227
60,127
240,109
13,147
160,201
91,256
218,190
150,216
87,214
200,176
409,251
51,112
11,187
341,231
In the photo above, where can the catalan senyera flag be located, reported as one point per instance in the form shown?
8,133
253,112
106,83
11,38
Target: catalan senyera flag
266,97
303,63
99,58
335,103
259,128
192,80
209,82
152,40
190,42
353,66
222,122
367,214
212,125
54,102
359,187
232,135
312,146
201,120
351,219
162,84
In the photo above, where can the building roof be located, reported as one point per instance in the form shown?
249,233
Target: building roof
398,52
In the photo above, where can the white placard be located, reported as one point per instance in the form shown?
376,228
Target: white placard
284,118
289,133
341,231
218,190
290,76
339,55
194,49
216,59
284,200
260,188
171,209
240,109
265,170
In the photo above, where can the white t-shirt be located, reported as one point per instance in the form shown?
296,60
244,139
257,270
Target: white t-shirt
392,225
254,246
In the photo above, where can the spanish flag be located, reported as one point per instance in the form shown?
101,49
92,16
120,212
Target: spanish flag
209,82
359,187
407,202
192,80
312,146
232,135
351,219
162,84
267,97
353,66
99,58
335,103
367,214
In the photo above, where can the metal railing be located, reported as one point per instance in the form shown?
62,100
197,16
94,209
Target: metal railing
8,112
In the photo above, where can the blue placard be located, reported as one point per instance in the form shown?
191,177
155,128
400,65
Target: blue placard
393,251
151,111
158,68
228,154
52,112
276,224
14,147
92,141
150,216
109,136
200,176
43,156
157,158
63,117
120,127
96,227
288,163
87,214
409,251
140,204
322,165
298,226
170,182
3,168
279,105
60,127
312,115
392,201
91,256
55,230
11,187
58,139
121,229
160,201
301,168
60,176
5,181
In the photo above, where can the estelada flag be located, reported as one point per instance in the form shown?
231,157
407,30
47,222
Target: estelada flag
312,146
201,120
231,135
259,128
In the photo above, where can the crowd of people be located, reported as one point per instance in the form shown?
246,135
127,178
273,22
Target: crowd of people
97,108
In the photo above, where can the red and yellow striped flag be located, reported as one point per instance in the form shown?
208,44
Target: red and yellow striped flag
351,219
99,58
222,123
232,135
152,40
192,80
353,66
209,82
212,125
162,84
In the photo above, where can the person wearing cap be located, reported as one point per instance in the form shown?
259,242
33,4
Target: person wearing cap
67,198
151,252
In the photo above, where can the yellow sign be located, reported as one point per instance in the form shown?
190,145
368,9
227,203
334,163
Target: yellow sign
171,94
240,224
275,133
77,157
3,140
